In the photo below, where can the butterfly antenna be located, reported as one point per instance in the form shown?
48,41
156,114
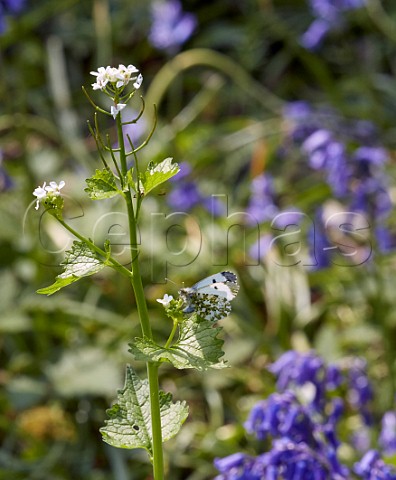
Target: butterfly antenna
171,281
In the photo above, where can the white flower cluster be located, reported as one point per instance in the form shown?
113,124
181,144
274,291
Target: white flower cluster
118,77
53,189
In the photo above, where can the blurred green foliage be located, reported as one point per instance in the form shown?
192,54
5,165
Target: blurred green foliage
219,102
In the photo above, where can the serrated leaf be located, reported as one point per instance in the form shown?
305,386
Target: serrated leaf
79,262
158,174
101,185
129,423
197,347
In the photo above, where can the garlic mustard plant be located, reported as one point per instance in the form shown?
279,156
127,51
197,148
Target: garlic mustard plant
143,416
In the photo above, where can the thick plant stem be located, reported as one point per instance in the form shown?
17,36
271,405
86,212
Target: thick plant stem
137,285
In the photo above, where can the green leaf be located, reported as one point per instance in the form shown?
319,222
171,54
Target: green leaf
197,347
80,262
129,424
102,185
157,174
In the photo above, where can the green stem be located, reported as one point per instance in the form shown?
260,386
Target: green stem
172,334
137,285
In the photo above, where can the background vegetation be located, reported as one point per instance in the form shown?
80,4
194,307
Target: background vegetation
225,96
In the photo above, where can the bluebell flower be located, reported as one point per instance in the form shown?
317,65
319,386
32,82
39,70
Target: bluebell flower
387,439
330,15
185,196
302,438
297,369
361,439
386,240
360,391
260,249
237,466
281,415
171,27
9,7
372,467
5,180
312,39
327,154
320,248
261,205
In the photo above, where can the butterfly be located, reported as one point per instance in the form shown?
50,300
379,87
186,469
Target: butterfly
210,297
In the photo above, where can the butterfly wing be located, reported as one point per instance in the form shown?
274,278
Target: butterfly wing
210,297
223,284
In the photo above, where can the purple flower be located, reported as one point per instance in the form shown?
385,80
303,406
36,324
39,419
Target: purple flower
261,205
235,467
185,196
320,247
361,439
184,172
360,392
371,155
9,7
297,369
260,249
297,461
214,206
386,241
312,39
281,415
171,27
372,467
387,438
329,16
5,180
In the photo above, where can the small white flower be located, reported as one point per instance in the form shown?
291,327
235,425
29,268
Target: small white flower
54,189
166,300
138,82
40,193
101,79
115,110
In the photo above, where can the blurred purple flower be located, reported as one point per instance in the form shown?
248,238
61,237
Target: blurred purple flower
259,249
387,438
171,27
320,248
372,467
330,15
360,392
235,467
261,206
297,369
281,415
185,196
361,439
9,7
386,241
314,36
185,171
5,180
303,440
